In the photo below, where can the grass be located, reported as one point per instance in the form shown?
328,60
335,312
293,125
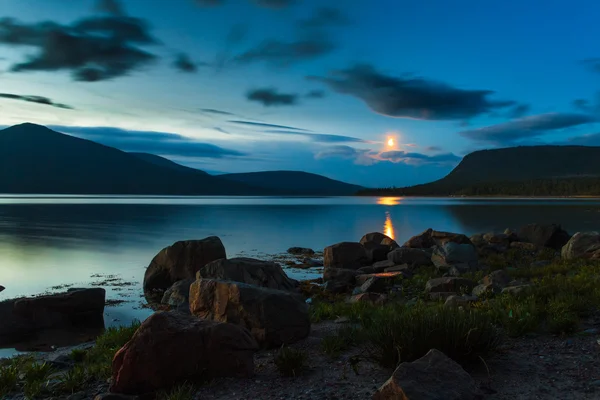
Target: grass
9,376
74,379
343,339
184,391
290,362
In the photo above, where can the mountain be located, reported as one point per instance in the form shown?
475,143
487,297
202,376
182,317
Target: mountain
35,159
38,160
525,171
301,183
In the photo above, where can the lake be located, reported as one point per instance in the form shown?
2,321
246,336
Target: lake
47,242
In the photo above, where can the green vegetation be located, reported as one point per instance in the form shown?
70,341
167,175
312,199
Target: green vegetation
184,391
343,339
290,362
24,374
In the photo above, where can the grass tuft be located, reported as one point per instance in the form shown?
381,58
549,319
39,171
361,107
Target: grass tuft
290,362
9,376
343,339
184,391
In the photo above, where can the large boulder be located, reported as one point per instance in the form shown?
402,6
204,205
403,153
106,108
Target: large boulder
274,317
377,245
180,261
412,256
432,377
449,285
450,253
27,318
430,238
582,245
178,296
347,255
339,280
551,235
169,348
248,270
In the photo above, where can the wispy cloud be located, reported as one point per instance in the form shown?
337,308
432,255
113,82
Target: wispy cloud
35,99
269,97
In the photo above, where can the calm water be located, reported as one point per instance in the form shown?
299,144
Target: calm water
46,242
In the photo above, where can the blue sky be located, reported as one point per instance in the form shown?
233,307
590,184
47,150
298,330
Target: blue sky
248,85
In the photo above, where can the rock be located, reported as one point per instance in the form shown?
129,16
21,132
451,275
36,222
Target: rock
432,377
339,280
398,268
517,291
366,270
374,298
523,246
299,251
114,396
72,311
347,255
497,278
478,240
497,238
540,264
582,245
380,266
449,284
412,256
389,276
180,261
274,317
451,253
551,235
431,238
459,301
178,296
459,269
482,290
441,296
169,348
377,246
377,284
248,270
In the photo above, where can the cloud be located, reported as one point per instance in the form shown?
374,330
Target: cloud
184,64
276,4
92,49
370,157
270,97
315,94
161,143
319,137
410,97
216,128
263,125
280,53
324,17
35,99
519,111
433,148
593,64
217,112
527,127
113,7
582,105
590,139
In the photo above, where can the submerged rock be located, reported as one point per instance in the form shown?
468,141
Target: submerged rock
432,377
274,317
180,261
170,348
347,255
301,251
582,245
248,270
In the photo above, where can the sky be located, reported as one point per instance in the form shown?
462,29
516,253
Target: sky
374,92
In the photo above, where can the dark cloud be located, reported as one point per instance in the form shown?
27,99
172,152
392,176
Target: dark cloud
263,125
184,64
35,99
527,127
216,112
315,94
369,157
519,111
593,64
433,148
324,17
582,105
216,128
113,7
277,4
591,139
411,97
318,137
269,97
283,54
92,49
161,143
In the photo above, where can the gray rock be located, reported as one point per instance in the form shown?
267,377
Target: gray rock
523,246
388,276
459,301
248,270
498,278
449,284
517,291
347,255
369,297
377,246
339,280
584,245
451,253
380,266
483,290
411,256
430,238
178,295
432,377
301,251
398,268
551,235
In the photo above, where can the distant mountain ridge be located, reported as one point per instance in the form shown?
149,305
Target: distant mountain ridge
37,160
525,171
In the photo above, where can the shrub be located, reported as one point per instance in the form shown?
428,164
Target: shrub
396,335
98,359
73,380
290,362
78,355
9,376
561,317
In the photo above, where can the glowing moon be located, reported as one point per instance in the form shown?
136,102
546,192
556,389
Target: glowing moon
390,142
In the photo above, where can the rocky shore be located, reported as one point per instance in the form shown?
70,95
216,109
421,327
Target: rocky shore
510,315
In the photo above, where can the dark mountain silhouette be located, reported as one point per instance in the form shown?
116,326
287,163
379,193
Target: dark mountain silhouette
526,171
38,160
302,183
